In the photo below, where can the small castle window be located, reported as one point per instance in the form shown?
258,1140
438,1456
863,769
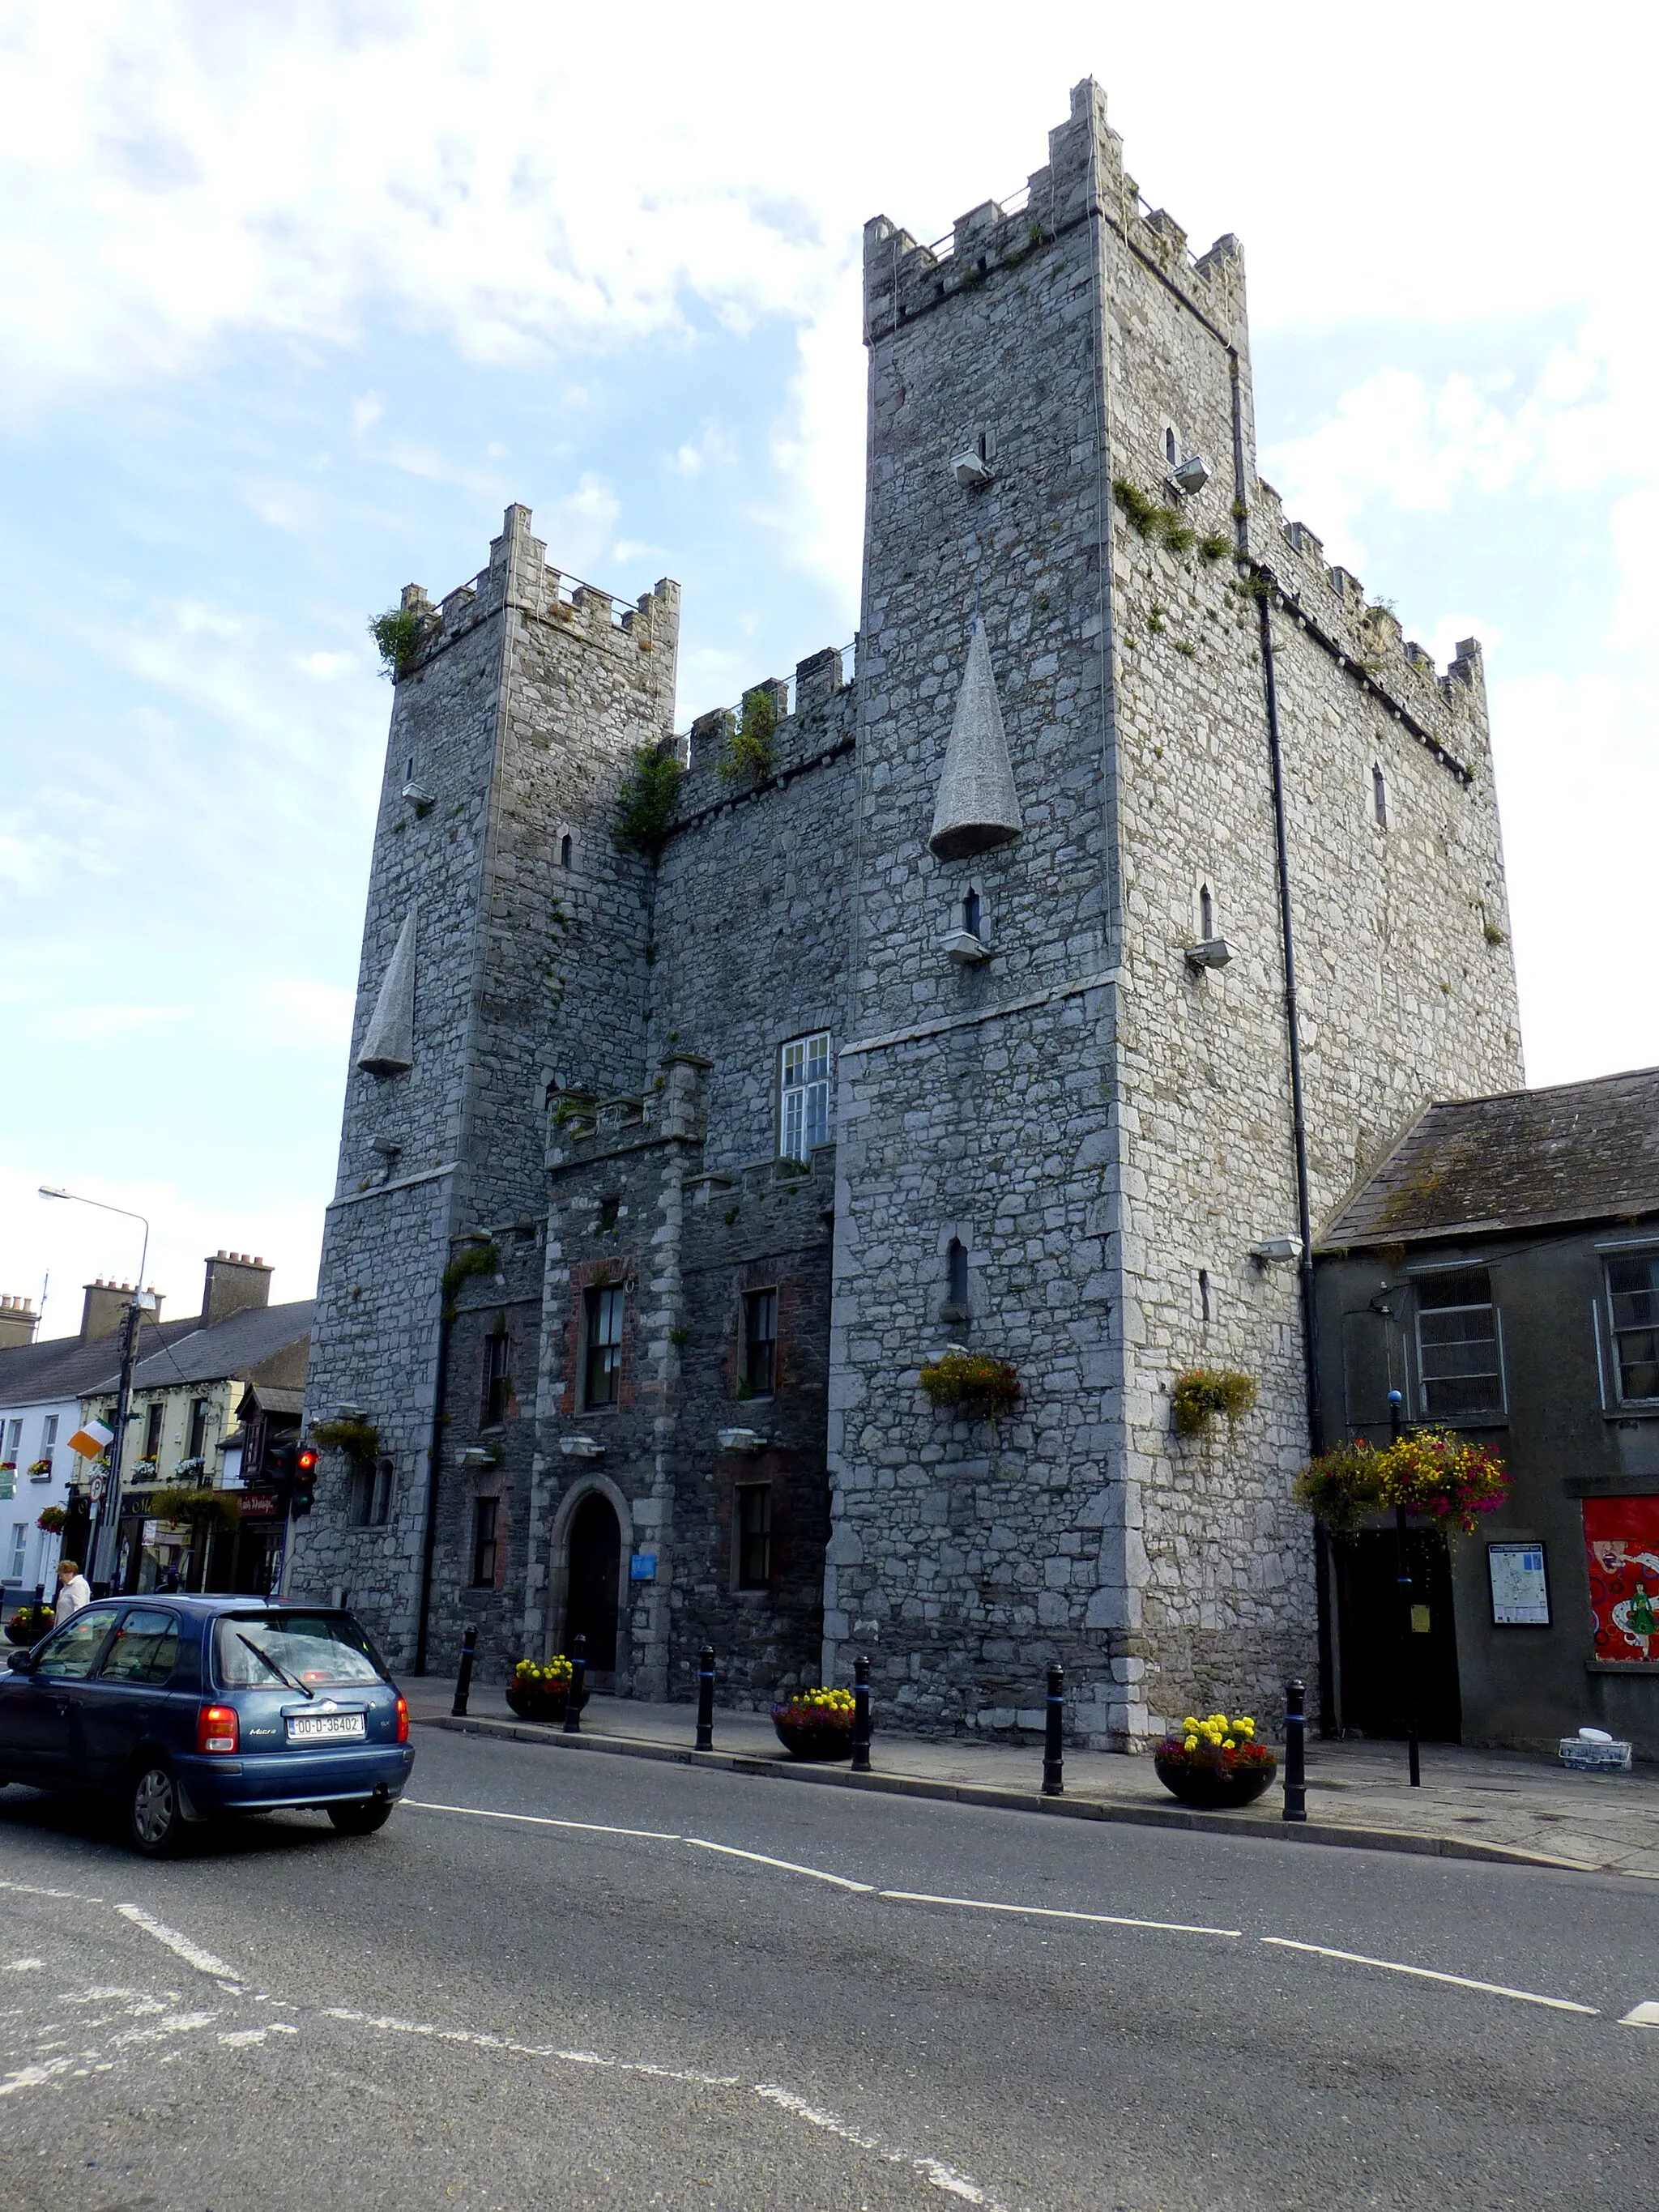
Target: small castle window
752,1525
956,1274
486,1516
804,1101
970,913
1379,795
1171,453
497,1352
1205,913
1206,1312
408,769
566,851
760,1344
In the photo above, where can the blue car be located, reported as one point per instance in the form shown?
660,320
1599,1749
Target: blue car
195,1709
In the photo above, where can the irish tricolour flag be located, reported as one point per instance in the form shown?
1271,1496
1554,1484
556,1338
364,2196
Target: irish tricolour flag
93,1441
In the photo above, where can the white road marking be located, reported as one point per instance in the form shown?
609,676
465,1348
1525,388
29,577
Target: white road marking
785,1866
26,1966
540,1821
192,1954
1645,2014
931,2169
33,1889
1429,1974
393,2026
1056,1912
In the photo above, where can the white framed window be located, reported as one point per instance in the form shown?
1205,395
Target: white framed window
1459,1346
1632,1282
804,1097
20,1546
48,1435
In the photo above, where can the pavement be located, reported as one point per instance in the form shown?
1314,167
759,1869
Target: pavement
1499,1806
614,1982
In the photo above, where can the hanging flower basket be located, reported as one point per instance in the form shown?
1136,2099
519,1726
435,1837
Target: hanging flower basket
51,1520
28,1623
1203,1392
539,1689
1430,1472
1215,1765
971,1383
815,1724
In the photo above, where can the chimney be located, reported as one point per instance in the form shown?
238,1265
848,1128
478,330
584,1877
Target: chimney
100,1314
18,1322
234,1282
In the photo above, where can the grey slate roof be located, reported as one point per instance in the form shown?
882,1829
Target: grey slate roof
231,1347
1579,1151
62,1367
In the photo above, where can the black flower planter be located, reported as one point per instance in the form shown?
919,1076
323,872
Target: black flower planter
532,1702
814,1740
1214,1787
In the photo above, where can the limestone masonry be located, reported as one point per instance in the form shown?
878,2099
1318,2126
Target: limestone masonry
945,999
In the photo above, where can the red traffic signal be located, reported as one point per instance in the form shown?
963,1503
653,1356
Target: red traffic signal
305,1479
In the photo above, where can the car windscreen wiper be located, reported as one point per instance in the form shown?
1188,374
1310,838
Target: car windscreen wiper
266,1661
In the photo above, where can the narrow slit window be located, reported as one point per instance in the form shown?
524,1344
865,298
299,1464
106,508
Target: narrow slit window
1170,452
565,849
970,913
1379,795
602,1375
1204,1313
803,1102
760,1343
753,1534
1205,913
486,1518
956,1274
498,1346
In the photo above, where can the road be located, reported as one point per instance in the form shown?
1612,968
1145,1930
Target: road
717,1992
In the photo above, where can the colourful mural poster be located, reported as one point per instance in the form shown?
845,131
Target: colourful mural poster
1621,1538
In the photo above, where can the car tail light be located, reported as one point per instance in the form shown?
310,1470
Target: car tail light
402,1720
217,1729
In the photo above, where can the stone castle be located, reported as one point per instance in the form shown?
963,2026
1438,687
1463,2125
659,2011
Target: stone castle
1034,978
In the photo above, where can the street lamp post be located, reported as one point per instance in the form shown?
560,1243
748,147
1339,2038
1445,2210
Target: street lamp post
107,1524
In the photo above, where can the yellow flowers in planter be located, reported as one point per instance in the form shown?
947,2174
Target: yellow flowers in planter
553,1674
1218,1731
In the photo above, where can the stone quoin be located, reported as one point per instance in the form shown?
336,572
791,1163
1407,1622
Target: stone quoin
668,1163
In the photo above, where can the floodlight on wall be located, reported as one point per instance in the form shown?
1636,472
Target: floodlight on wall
971,471
417,794
741,1440
1209,952
1273,1250
1190,476
964,948
581,1448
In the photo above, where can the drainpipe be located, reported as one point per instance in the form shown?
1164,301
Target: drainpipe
1315,1412
430,1543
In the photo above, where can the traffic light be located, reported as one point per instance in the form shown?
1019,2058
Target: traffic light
305,1480
279,1463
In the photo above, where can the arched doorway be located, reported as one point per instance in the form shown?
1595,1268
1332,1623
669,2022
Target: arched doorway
595,1567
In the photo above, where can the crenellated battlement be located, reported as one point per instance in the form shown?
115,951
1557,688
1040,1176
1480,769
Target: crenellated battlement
520,575
1448,712
779,727
1084,176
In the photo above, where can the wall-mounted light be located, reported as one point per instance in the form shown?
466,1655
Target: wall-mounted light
1276,1250
1211,952
581,1448
964,948
971,471
416,794
741,1440
1190,476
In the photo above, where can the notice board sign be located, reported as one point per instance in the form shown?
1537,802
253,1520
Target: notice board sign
1519,1580
1621,1544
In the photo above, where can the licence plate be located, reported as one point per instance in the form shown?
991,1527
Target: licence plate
305,1727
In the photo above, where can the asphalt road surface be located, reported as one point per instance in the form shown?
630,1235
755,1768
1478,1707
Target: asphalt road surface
714,1992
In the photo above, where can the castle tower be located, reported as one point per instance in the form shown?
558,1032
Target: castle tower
1067,1123
501,922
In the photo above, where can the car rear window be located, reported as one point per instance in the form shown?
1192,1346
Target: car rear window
308,1648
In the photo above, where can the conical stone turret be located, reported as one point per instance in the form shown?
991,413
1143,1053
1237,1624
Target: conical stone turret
389,1048
977,806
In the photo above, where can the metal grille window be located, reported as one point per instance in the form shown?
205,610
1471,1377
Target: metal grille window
803,1098
1459,1353
485,1515
1633,1319
754,1520
602,1373
760,1343
497,1347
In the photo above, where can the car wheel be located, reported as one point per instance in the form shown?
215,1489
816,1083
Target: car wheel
361,1819
155,1826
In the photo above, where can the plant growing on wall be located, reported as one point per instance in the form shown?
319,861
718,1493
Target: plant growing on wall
748,748
971,1383
1203,1392
359,1440
1430,1472
1160,525
471,1260
645,802
398,632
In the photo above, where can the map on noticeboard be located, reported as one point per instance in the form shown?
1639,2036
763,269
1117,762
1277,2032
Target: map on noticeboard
1519,1585
1621,1542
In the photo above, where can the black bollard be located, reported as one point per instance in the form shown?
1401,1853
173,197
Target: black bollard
1296,1747
576,1696
861,1716
464,1679
706,1698
1053,1752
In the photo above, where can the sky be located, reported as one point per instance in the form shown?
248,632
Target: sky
295,298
